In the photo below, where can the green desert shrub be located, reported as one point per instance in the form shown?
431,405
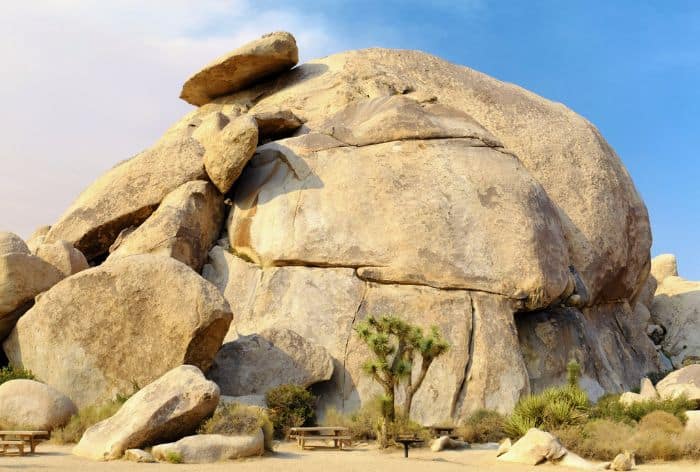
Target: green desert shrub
363,423
483,426
11,373
173,457
554,408
609,407
290,406
234,419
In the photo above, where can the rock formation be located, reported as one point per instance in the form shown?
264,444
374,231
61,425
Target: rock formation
168,408
204,448
383,181
95,334
28,404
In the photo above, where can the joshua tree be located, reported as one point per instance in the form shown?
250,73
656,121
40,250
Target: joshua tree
394,344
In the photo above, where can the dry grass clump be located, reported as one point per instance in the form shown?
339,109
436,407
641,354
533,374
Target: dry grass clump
609,407
658,436
9,372
483,426
73,431
234,419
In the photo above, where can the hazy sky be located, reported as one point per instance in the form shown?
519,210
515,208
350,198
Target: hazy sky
87,83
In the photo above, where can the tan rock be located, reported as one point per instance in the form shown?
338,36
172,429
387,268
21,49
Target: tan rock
276,124
205,448
611,255
630,398
623,461
445,442
647,389
28,404
676,307
138,455
228,145
693,424
684,381
575,461
37,238
533,448
128,193
10,243
664,265
253,62
168,408
504,447
63,256
337,188
22,277
89,335
184,226
252,400
252,365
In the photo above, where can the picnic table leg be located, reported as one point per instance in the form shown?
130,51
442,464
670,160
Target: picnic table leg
405,450
32,445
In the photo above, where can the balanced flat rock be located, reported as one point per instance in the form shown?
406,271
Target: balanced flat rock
252,62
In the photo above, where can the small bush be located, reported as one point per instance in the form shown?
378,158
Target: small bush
363,423
236,419
597,439
290,406
483,426
554,408
173,457
11,373
661,421
609,407
73,431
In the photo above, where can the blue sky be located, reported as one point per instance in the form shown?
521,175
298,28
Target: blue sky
88,82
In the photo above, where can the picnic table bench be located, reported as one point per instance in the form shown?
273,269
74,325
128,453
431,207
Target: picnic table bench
20,439
443,430
338,434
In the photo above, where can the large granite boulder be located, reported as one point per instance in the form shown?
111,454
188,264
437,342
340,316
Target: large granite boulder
205,448
131,320
168,408
184,227
535,447
10,243
22,277
128,193
676,308
685,381
250,63
28,404
229,145
252,365
63,256
664,265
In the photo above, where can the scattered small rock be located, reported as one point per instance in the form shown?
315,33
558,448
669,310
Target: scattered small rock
445,442
504,447
138,455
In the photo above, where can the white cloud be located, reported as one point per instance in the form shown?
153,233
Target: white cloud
88,83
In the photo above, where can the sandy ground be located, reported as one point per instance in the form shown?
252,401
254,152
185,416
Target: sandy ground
288,458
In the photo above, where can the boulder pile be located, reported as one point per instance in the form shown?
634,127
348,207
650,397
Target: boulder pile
296,201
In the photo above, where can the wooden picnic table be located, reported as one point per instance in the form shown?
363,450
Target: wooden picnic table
31,438
443,430
407,441
339,435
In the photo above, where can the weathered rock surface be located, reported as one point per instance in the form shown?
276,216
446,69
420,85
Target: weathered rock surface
664,265
138,455
229,145
205,448
22,277
63,256
252,62
252,400
252,365
28,404
535,447
337,188
37,238
276,124
184,226
128,193
685,381
168,408
504,447
445,442
608,342
10,243
693,423
676,308
130,320
622,461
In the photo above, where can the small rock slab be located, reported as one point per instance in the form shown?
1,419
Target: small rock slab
205,448
252,62
254,364
168,408
535,447
138,455
10,243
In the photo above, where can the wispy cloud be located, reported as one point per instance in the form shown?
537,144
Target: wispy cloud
87,83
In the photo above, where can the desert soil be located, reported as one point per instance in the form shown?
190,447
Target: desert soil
288,458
